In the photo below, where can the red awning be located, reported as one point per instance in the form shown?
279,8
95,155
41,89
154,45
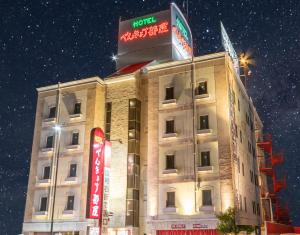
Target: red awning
187,232
130,68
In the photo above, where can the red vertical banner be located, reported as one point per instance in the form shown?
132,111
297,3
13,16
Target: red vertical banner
96,175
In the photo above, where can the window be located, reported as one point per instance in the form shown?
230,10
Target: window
205,158
202,88
251,176
243,170
75,138
52,112
170,199
241,137
43,205
108,120
241,202
170,162
77,108
169,93
258,209
239,108
73,168
245,204
70,203
204,122
170,126
253,207
46,174
49,142
206,198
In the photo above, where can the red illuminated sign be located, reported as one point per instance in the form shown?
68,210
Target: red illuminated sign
145,32
182,40
96,174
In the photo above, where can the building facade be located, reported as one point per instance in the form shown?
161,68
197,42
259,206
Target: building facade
183,150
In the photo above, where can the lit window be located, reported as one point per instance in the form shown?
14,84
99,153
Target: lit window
170,199
170,126
169,93
204,122
77,108
70,203
75,138
170,162
43,203
205,158
49,142
46,174
206,198
52,112
202,88
73,169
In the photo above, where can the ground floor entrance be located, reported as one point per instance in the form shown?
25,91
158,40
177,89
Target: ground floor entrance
187,232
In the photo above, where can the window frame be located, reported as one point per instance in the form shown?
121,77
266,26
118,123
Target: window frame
76,111
168,202
75,132
206,127
46,166
167,94
210,201
172,130
70,167
170,156
198,88
67,205
40,204
52,141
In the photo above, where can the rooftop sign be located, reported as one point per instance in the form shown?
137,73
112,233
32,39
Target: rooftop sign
161,36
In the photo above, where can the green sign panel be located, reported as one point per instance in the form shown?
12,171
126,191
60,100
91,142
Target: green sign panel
143,21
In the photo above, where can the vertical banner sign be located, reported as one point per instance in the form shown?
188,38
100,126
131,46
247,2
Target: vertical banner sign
96,175
105,210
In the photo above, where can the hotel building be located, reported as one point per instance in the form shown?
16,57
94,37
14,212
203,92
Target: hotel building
183,149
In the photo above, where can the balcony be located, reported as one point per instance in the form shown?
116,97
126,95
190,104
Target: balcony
204,131
68,212
47,150
42,182
170,101
170,172
170,135
39,213
71,180
72,147
49,120
75,116
170,210
203,96
205,168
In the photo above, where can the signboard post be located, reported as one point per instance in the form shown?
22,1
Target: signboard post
98,181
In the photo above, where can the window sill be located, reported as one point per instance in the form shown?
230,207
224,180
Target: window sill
47,120
41,213
170,210
198,97
204,131
207,208
170,171
68,212
72,146
46,150
71,179
171,101
75,116
43,181
169,135
205,168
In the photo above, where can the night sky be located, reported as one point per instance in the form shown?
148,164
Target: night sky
44,42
